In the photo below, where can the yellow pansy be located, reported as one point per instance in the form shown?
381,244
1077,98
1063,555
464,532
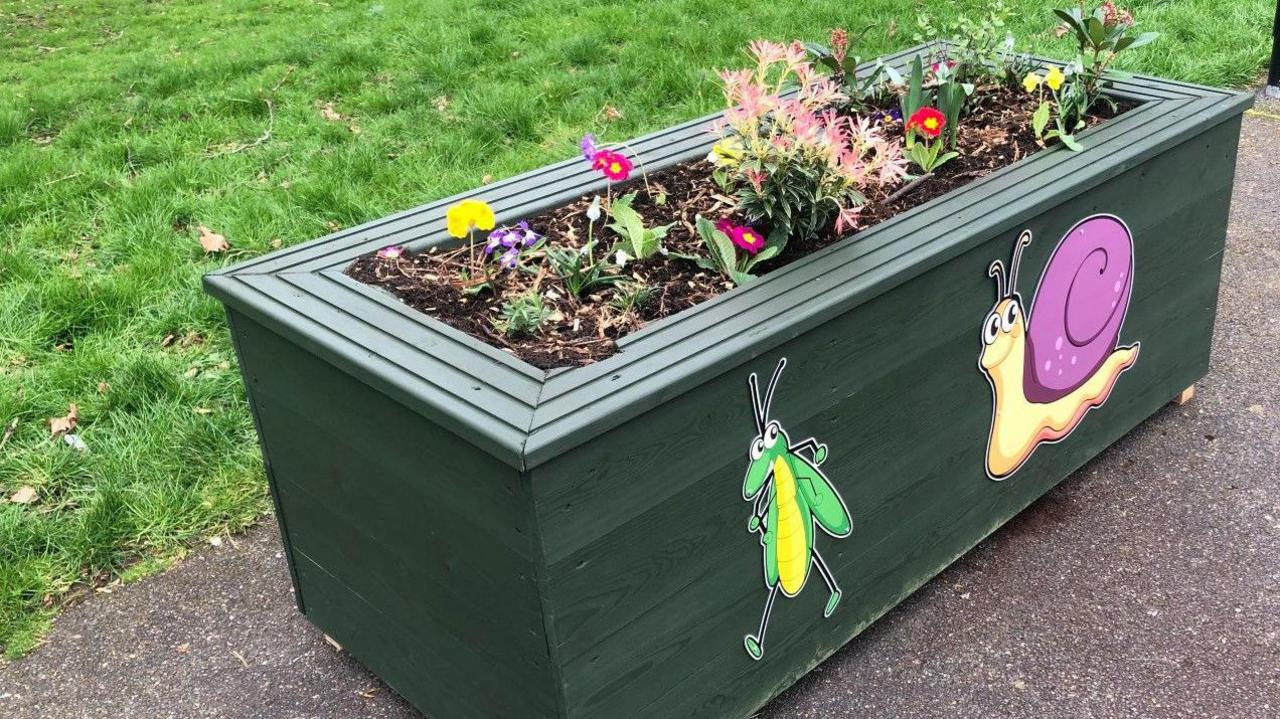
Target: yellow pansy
1054,78
464,216
1031,82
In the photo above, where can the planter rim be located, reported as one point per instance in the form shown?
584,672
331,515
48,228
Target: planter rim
524,416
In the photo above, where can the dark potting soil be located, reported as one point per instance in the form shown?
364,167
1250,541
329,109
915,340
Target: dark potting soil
580,330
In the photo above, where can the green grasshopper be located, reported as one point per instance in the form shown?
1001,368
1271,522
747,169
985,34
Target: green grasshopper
791,495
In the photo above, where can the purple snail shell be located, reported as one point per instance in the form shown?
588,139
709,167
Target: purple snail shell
1080,305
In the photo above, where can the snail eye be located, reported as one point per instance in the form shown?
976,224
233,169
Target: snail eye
1010,316
991,329
771,434
757,449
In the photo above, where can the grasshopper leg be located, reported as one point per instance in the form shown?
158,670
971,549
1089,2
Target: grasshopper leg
755,642
830,579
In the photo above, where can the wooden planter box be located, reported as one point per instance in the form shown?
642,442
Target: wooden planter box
495,540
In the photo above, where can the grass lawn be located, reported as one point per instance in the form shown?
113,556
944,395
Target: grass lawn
126,125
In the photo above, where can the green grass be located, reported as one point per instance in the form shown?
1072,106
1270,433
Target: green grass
115,122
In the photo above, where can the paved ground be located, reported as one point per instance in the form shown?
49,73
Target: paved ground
1148,585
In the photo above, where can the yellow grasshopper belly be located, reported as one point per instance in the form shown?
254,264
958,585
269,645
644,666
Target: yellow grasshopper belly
793,544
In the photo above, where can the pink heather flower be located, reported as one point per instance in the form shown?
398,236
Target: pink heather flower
391,253
613,165
839,44
847,218
766,52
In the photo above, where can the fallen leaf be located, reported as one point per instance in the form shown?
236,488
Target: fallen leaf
215,541
65,424
26,494
73,441
486,179
168,339
276,243
202,410
183,648
368,693
611,113
330,114
441,102
191,372
103,388
212,242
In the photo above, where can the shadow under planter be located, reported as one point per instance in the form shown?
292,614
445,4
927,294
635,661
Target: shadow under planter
688,526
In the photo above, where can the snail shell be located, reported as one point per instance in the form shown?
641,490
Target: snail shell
1080,305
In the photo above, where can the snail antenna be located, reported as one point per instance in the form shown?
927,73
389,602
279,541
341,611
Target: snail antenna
768,397
1023,240
756,411
996,270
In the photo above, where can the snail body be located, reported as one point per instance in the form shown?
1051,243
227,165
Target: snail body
1049,367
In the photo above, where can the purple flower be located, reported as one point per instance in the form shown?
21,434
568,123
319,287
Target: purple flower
887,117
510,258
588,146
391,253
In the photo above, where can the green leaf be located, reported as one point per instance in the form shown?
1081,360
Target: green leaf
915,90
718,246
1040,119
768,253
1097,31
1144,39
1070,142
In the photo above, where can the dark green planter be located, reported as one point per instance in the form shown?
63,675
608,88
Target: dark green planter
493,540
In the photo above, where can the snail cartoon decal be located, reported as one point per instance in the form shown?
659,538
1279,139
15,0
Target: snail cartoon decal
790,496
1048,367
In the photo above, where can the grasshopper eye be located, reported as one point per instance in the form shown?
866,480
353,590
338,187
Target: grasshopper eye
757,449
1010,317
771,434
991,329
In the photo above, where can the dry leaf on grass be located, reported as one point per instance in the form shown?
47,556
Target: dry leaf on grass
329,113
26,494
212,242
8,432
67,423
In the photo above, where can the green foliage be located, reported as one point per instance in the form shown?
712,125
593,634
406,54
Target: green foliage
862,90
1100,35
523,315
980,41
723,257
929,156
637,241
579,270
632,296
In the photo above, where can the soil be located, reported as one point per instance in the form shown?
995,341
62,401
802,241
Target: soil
995,133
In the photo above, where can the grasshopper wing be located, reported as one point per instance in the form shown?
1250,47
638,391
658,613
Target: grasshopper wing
828,508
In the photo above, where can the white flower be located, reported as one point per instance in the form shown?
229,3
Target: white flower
620,258
593,212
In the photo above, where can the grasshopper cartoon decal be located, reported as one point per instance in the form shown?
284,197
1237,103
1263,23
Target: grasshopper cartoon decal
790,496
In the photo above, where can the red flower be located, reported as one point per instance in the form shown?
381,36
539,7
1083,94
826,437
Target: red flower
927,121
614,165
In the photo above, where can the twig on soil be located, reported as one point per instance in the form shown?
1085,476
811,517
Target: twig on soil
902,191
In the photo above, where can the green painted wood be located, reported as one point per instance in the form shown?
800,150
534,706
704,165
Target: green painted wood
432,533
651,572
495,540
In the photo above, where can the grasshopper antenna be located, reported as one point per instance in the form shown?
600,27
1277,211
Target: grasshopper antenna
756,410
768,397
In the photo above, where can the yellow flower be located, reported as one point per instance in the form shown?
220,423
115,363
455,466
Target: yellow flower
464,216
726,153
1054,78
1031,82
